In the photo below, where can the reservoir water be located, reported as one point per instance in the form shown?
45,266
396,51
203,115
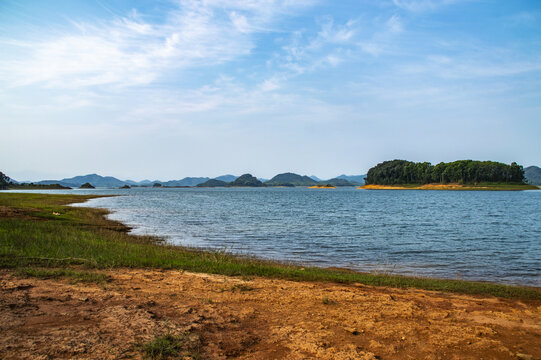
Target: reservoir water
474,235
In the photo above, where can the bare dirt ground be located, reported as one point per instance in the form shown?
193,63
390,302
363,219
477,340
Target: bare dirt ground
257,319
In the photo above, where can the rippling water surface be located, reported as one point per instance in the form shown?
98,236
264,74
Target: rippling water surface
478,235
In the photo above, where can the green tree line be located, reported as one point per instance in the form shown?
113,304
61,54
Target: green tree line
462,172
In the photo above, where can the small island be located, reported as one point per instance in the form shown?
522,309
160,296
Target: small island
87,185
213,183
290,179
246,180
328,186
457,175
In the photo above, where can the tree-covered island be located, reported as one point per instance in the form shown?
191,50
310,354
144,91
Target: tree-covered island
461,174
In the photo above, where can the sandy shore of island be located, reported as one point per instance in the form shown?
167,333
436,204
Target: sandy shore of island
257,318
421,187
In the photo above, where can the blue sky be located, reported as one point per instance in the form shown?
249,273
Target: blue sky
168,89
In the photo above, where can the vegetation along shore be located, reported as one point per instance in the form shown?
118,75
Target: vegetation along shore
455,186
457,175
71,270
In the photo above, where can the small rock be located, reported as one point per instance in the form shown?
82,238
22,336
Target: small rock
521,356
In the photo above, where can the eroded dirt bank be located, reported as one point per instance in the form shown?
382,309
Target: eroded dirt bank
257,319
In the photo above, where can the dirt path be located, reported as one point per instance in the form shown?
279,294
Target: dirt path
257,319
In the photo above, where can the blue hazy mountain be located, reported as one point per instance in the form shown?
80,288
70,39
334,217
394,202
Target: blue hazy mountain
132,182
94,179
147,182
109,181
187,181
533,175
226,178
356,179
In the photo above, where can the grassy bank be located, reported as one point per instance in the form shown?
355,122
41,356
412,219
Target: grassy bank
38,230
463,187
26,186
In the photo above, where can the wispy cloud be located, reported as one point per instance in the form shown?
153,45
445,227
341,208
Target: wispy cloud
327,48
423,5
130,51
468,67
523,18
377,42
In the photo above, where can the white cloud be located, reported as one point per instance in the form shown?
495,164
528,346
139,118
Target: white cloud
378,41
129,51
489,65
423,5
394,25
270,84
304,54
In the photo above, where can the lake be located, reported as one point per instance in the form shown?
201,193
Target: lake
472,235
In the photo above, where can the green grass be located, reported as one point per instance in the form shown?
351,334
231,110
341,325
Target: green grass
36,187
241,288
31,236
327,301
499,186
169,346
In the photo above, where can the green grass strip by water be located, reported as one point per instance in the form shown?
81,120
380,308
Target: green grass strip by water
40,231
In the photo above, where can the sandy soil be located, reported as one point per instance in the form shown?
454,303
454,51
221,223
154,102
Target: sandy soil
257,319
421,187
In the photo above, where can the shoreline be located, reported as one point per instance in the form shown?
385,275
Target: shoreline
163,255
452,187
113,295
299,264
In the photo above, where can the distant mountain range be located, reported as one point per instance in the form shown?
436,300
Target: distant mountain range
533,175
109,181
94,179
285,179
187,181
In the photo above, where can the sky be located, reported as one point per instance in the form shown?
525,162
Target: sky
167,89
